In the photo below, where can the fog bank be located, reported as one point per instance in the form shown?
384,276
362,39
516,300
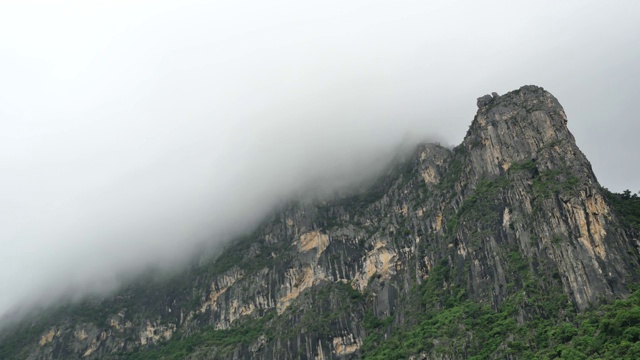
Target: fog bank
132,131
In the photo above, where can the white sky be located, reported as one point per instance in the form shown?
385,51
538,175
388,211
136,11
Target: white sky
131,130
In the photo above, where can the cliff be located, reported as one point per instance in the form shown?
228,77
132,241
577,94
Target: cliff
511,226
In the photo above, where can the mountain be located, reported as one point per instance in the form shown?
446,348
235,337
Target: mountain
504,247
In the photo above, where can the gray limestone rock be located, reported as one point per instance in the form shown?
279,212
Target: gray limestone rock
314,270
484,101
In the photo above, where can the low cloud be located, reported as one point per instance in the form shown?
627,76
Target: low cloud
131,133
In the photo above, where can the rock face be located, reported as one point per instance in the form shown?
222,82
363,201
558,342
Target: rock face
516,206
524,136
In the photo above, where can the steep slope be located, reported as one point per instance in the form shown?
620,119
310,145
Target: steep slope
511,226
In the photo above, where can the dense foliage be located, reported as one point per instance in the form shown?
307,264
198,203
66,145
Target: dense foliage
452,324
216,342
535,321
446,321
626,205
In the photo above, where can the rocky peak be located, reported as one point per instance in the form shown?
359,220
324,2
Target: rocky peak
522,139
511,218
523,125
487,99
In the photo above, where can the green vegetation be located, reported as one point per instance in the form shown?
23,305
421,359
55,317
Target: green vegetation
529,165
553,182
482,207
449,323
454,171
534,322
317,313
549,182
223,342
324,307
144,298
626,206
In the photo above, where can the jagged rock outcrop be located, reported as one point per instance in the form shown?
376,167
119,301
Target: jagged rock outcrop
515,207
528,128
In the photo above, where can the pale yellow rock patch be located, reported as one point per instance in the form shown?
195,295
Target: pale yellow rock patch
590,222
80,335
506,218
313,240
47,337
379,261
153,334
437,226
298,281
345,345
429,176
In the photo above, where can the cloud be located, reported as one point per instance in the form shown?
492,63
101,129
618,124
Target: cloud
132,131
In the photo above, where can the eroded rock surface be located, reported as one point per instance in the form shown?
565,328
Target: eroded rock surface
517,195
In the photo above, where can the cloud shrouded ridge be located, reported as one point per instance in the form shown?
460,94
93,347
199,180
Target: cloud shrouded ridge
131,133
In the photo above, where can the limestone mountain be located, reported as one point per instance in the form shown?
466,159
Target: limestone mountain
504,247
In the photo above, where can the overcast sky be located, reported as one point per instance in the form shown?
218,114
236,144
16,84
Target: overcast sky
132,130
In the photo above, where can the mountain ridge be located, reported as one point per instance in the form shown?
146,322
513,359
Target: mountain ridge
512,217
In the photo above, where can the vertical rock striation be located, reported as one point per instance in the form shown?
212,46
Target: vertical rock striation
553,210
515,207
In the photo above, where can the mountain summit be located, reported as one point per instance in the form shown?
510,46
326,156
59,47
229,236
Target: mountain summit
498,248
